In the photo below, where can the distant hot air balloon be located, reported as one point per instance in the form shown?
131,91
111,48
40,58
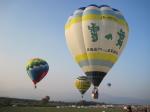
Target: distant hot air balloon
37,69
96,36
82,83
109,84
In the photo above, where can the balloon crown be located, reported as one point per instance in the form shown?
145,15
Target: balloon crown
82,8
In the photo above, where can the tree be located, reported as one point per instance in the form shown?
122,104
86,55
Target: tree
45,99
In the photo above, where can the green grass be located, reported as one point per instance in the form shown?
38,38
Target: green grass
53,109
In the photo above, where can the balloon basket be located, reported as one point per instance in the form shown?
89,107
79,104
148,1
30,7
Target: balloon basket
95,93
35,86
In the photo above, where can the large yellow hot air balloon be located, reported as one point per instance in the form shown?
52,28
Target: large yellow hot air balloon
96,36
82,83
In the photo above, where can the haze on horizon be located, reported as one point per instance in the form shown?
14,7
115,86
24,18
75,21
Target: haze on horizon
36,29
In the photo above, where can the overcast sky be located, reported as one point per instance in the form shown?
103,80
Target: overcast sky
35,28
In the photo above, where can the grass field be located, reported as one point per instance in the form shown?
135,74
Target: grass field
53,109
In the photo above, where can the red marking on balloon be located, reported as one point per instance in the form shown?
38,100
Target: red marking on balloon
40,77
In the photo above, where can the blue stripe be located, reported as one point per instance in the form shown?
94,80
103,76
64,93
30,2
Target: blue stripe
82,8
98,12
110,12
115,10
104,6
78,14
95,62
35,72
92,5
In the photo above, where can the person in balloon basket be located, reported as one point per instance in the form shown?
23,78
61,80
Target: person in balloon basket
95,94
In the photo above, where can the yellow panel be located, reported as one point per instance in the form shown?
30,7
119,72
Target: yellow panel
97,17
97,55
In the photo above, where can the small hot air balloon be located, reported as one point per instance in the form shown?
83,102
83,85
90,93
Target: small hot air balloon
96,36
109,84
37,69
82,83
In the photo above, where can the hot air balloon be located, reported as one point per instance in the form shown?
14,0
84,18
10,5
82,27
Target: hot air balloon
109,84
96,36
82,83
37,69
